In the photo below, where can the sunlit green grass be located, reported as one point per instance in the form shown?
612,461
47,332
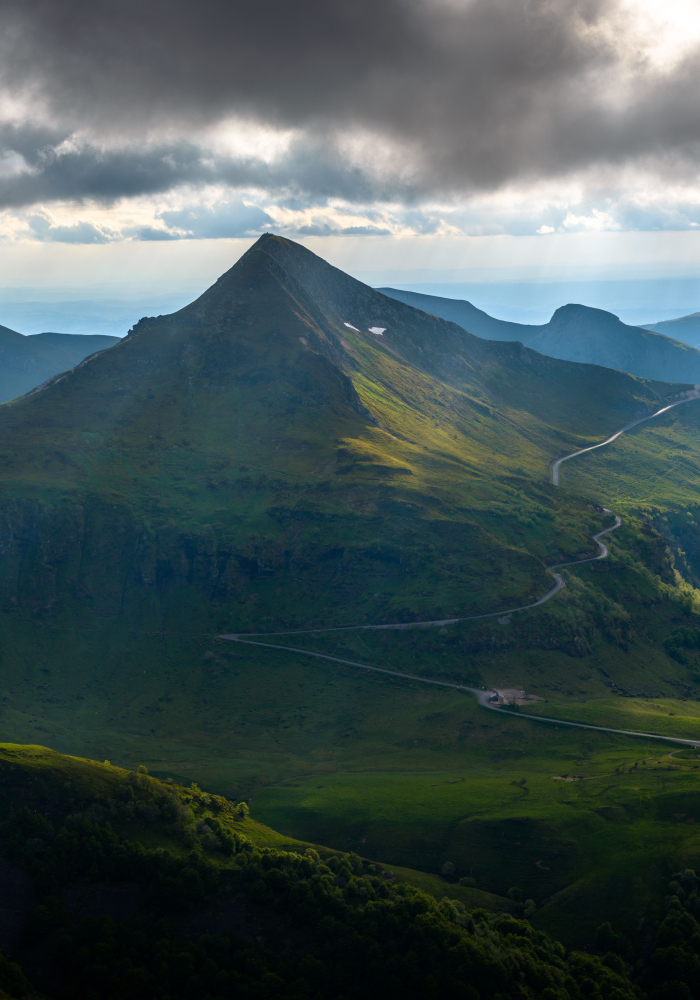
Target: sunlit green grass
562,842
667,717
654,464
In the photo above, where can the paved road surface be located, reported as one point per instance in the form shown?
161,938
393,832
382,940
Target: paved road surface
450,621
484,696
555,468
481,695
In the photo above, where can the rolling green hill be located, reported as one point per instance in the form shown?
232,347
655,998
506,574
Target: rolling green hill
295,449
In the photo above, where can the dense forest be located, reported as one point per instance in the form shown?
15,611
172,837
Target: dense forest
293,924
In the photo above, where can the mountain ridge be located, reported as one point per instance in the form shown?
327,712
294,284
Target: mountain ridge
576,333
684,328
28,361
465,314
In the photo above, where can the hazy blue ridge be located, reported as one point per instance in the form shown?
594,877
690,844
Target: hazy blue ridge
576,333
26,362
460,311
685,328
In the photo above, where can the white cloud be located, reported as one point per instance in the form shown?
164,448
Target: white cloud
12,164
662,32
596,222
589,202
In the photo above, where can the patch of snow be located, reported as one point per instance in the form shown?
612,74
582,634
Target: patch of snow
351,327
377,330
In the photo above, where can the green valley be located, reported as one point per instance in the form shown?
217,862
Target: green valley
263,462
122,885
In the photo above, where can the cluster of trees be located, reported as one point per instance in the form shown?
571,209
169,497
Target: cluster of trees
681,639
297,926
672,969
312,929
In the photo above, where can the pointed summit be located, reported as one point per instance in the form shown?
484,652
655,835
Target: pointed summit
289,411
333,301
254,351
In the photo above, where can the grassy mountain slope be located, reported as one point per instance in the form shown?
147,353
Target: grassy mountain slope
252,435
252,463
578,333
26,362
654,475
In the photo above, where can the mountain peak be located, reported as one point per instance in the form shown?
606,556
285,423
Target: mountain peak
288,264
578,333
296,411
575,312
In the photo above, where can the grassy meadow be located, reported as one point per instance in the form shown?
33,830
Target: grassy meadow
409,775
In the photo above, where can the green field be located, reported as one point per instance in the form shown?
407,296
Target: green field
416,776
409,774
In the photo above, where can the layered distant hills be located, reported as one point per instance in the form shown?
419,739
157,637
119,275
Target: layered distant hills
26,362
685,328
578,333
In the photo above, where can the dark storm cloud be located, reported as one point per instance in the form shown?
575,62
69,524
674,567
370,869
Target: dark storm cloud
67,170
91,172
478,93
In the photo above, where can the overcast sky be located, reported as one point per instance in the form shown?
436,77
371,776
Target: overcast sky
147,120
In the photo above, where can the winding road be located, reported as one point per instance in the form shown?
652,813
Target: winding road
483,696
692,394
234,637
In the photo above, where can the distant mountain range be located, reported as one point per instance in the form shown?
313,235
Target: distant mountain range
685,328
577,333
26,362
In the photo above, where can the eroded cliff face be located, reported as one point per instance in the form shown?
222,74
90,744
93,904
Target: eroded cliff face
290,565
95,566
97,557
